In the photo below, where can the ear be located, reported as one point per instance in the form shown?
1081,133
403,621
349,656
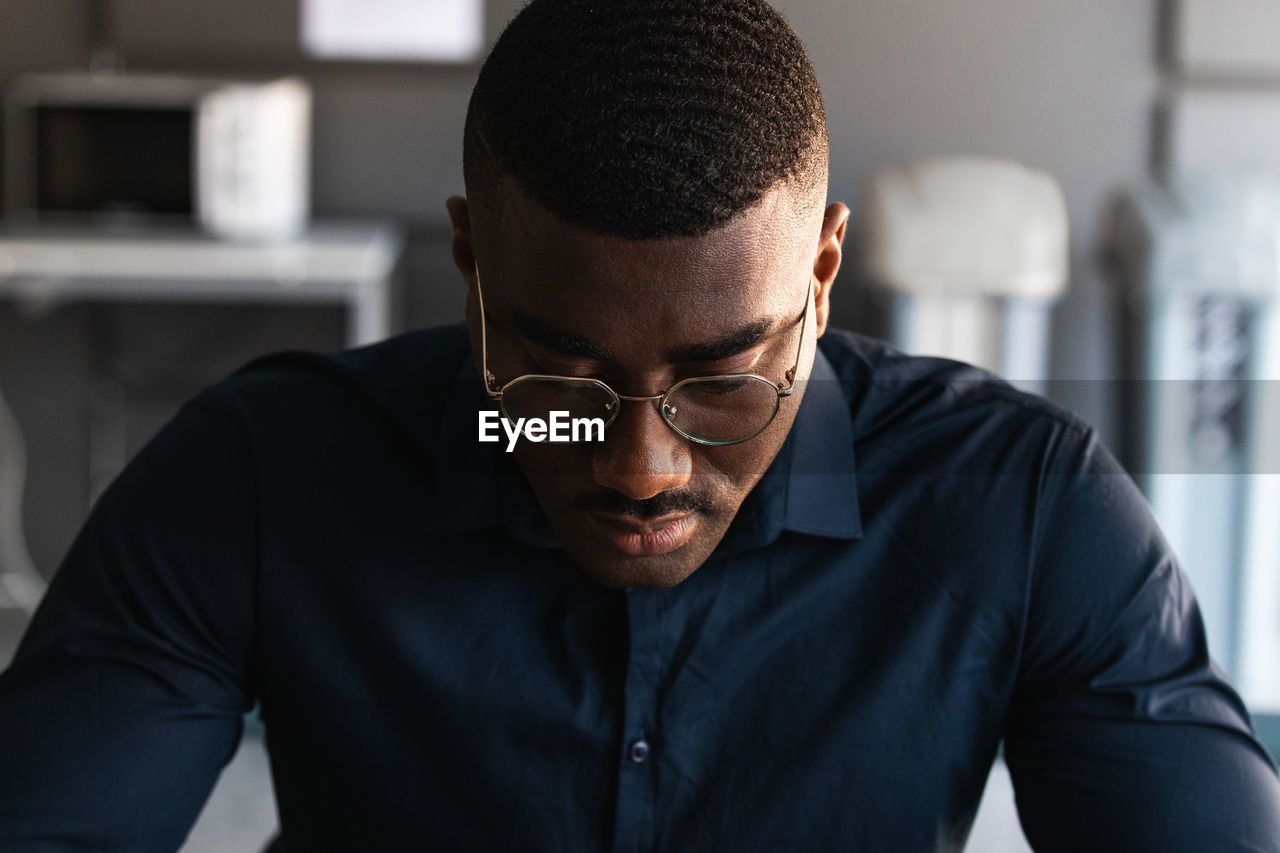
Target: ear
463,253
826,262
464,257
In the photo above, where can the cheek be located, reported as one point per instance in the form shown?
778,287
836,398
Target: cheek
744,464
727,476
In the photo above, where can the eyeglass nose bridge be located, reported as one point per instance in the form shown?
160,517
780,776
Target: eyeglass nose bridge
665,410
632,398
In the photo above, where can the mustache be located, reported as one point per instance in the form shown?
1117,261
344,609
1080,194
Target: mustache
664,503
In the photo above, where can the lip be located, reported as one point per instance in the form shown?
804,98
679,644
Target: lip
649,537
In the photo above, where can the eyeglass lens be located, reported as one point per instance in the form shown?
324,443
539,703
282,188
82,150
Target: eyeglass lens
714,409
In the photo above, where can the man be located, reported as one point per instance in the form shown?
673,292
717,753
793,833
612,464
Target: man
793,600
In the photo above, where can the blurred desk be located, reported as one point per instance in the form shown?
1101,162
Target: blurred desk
352,265
349,264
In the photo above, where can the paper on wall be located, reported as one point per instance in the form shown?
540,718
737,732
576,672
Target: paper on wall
412,30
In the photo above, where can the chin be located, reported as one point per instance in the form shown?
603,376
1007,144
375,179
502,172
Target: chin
658,572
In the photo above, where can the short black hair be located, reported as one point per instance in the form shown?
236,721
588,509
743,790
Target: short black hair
646,118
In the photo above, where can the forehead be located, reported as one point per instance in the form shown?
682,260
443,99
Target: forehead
530,258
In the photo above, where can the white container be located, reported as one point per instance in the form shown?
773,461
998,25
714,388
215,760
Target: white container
971,253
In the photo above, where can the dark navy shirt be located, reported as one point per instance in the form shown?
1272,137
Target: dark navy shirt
934,563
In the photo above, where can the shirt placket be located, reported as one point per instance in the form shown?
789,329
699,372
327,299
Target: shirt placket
634,824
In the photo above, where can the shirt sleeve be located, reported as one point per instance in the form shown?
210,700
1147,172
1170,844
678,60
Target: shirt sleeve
126,695
1123,734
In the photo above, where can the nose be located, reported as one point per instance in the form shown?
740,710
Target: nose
641,456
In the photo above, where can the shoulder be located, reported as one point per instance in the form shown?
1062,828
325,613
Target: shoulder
431,356
936,415
970,485
399,384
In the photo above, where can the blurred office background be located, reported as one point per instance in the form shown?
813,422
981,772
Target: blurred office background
1060,86
1111,100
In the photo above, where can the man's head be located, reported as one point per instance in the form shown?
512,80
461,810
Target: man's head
646,189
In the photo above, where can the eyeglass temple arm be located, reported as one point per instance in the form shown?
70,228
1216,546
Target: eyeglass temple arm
489,378
804,322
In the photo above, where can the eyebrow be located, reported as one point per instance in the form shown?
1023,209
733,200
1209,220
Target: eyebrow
548,335
739,340
545,334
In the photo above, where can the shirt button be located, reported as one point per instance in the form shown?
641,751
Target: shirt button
638,751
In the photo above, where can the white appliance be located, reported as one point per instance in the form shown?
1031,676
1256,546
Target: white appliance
229,156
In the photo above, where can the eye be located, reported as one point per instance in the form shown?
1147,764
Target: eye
723,387
746,362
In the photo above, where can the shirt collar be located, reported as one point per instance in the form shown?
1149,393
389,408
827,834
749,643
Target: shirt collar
809,488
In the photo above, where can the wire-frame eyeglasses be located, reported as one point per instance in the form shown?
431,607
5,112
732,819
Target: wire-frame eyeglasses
718,410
